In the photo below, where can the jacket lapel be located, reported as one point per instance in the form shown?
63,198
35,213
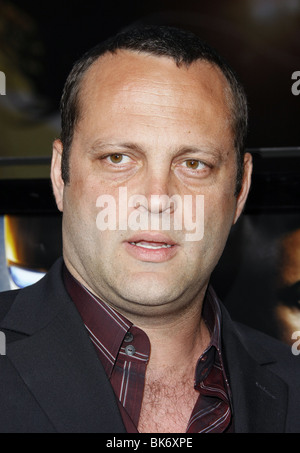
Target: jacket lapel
259,396
57,360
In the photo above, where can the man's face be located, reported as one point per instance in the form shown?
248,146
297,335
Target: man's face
150,128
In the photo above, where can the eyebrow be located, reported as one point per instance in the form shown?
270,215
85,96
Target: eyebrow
101,145
208,149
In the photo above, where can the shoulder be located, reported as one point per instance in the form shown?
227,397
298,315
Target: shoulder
7,299
30,308
279,357
254,337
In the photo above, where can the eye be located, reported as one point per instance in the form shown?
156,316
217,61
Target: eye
118,158
194,164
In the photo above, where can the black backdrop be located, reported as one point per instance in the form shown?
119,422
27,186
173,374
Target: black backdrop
260,38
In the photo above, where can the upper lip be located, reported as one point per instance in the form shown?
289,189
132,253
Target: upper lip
151,237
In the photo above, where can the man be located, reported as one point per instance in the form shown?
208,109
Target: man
124,334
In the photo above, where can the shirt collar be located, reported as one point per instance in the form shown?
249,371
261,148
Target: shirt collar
108,328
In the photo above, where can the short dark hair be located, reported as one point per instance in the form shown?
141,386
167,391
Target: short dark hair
184,47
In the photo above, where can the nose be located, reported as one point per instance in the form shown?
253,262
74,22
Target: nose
157,192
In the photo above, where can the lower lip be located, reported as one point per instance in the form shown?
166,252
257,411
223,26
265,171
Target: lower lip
158,255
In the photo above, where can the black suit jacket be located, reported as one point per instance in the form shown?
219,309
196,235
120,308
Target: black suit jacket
51,379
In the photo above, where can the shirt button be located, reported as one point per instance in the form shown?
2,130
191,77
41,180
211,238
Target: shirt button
128,337
130,350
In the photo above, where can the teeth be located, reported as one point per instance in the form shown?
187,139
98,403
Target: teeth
152,247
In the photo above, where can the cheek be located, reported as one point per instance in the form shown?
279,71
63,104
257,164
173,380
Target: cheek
80,212
218,219
220,211
84,190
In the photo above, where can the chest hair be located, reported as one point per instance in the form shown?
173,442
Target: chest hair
168,402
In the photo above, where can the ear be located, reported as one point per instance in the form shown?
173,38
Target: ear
56,177
242,197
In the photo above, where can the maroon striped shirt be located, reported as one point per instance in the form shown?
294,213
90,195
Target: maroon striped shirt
124,351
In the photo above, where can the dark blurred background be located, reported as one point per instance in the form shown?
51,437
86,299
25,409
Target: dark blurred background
39,41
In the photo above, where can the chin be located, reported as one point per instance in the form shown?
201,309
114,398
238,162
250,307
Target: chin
150,294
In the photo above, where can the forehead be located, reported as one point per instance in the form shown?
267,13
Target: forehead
129,76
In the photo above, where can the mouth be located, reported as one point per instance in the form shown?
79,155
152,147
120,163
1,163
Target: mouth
151,247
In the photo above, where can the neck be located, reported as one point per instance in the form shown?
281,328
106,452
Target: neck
177,336
179,341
